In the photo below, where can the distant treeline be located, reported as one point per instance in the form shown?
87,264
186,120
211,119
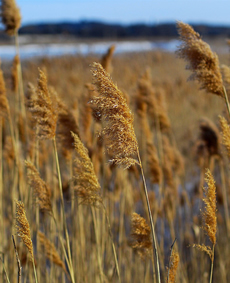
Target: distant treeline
87,29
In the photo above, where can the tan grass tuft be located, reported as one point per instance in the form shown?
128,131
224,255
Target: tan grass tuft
40,189
23,228
50,250
87,185
118,132
201,60
11,17
141,235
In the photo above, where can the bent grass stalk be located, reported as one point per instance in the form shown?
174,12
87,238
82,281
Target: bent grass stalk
63,211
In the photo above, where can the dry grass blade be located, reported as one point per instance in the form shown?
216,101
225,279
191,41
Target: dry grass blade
11,17
118,132
201,60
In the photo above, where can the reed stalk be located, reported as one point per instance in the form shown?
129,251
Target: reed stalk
154,239
4,269
63,208
212,264
97,244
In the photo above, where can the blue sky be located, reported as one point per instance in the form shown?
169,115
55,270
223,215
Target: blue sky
126,11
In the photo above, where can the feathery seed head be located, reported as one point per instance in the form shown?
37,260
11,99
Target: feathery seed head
11,17
40,189
209,213
23,228
87,185
66,124
118,132
201,60
14,73
225,133
174,261
106,59
141,235
44,109
50,250
4,105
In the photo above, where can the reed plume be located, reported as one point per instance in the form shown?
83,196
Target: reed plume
40,189
118,132
225,71
50,251
209,218
23,231
107,58
66,123
141,235
87,185
14,73
11,17
44,109
173,265
208,143
201,60
4,105
209,213
8,151
23,228
153,164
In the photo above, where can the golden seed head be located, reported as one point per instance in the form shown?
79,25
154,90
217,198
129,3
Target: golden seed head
11,17
174,262
40,189
87,185
23,228
44,109
50,250
201,60
118,132
225,133
209,213
140,233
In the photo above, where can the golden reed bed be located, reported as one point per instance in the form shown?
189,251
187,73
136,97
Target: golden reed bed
114,169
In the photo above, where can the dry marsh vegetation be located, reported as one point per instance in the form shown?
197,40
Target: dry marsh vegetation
113,169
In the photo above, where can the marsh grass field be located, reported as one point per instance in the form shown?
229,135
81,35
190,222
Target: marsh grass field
115,168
